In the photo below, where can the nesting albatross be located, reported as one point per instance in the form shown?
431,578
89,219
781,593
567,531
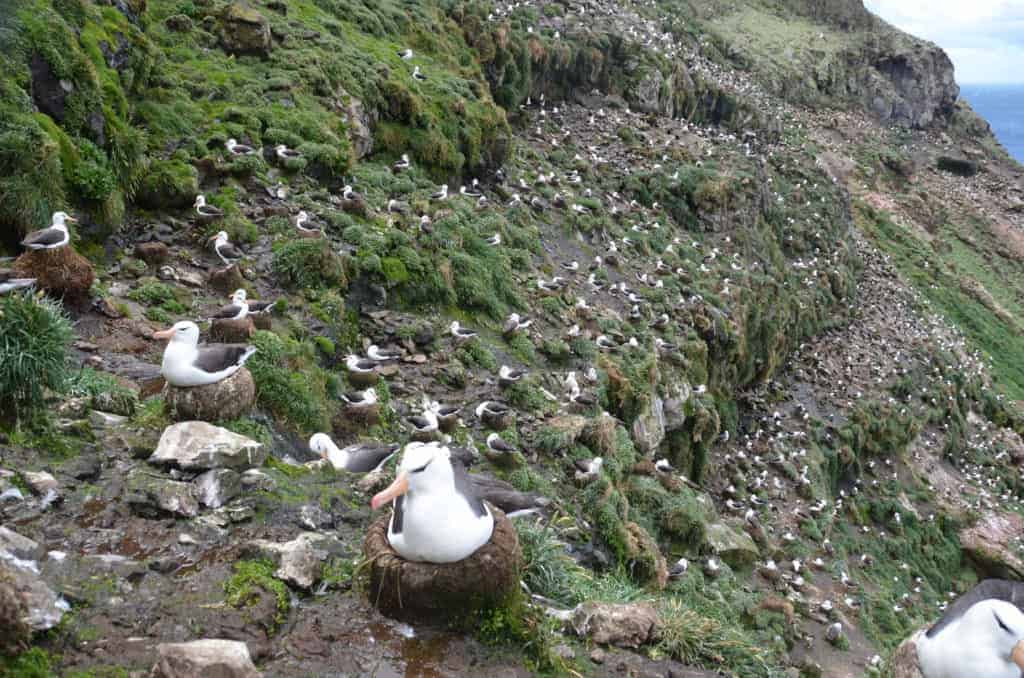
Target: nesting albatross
981,635
185,363
50,238
438,517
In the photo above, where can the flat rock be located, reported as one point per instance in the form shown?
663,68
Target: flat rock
628,625
153,497
40,482
196,445
736,548
211,658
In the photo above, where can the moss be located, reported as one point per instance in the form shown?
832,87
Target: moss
242,588
168,184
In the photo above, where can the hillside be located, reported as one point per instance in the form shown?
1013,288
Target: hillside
781,261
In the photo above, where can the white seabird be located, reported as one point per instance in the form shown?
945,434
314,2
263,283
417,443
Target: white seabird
358,458
236,310
185,363
438,516
227,252
980,635
56,235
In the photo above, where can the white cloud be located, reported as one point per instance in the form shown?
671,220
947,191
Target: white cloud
984,38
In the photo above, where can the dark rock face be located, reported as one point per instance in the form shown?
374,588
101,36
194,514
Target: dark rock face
48,91
915,87
959,166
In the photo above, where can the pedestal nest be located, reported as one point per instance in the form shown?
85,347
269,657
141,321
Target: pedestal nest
227,399
62,272
402,588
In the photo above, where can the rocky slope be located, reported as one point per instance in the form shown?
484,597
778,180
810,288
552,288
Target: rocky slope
798,288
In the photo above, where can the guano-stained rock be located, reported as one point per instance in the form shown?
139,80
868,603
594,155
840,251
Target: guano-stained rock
196,445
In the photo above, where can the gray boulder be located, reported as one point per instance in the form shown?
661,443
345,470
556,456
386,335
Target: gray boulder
210,658
196,445
151,496
630,625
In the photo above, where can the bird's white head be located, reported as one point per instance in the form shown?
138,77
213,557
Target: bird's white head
321,443
185,332
221,237
997,626
200,201
423,465
230,143
280,148
239,296
58,219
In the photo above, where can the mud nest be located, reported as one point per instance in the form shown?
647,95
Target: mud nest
62,272
402,588
227,399
14,632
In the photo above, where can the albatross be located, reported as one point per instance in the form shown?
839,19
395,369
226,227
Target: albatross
981,635
236,310
186,363
438,516
8,282
358,458
53,237
227,252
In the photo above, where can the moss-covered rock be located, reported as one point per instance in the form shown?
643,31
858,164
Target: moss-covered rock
168,184
243,30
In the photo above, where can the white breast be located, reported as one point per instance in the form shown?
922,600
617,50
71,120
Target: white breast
440,527
955,653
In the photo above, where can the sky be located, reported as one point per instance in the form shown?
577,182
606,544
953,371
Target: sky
984,38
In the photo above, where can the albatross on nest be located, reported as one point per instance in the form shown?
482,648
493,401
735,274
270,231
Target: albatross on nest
53,237
185,363
981,635
438,516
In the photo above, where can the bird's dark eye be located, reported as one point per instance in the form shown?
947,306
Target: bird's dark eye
1001,624
421,468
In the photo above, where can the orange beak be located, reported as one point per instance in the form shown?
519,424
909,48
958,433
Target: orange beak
164,334
71,219
1017,656
395,489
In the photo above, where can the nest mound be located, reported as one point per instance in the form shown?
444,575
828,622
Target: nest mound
224,400
403,588
62,272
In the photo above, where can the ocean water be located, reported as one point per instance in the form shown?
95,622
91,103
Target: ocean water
1003,107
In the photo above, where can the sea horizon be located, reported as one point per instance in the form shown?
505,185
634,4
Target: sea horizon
1002,105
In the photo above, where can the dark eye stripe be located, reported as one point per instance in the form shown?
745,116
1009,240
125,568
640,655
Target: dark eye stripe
421,468
1001,624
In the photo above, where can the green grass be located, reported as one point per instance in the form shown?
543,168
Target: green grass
940,284
35,336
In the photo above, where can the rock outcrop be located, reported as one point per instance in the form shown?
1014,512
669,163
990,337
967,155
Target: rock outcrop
991,543
628,625
196,445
